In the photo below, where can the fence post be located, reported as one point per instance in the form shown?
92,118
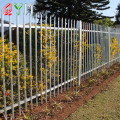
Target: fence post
3,62
80,50
11,70
109,45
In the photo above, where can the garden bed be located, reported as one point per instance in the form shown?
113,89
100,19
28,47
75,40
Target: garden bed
66,103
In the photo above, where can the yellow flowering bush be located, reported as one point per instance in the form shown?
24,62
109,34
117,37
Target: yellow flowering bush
119,49
114,48
97,55
50,57
7,60
47,55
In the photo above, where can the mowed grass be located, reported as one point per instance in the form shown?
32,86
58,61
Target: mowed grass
104,106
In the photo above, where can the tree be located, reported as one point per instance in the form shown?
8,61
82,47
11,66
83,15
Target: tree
117,16
75,9
105,22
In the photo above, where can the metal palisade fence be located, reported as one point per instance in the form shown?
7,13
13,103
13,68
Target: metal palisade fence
41,60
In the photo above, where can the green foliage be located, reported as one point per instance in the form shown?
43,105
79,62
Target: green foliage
91,81
29,117
7,58
104,22
97,76
105,72
74,9
76,93
67,97
50,56
58,105
46,111
117,15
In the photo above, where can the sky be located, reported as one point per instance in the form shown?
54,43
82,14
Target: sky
110,12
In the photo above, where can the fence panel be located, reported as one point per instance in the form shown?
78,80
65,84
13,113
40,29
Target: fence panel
42,59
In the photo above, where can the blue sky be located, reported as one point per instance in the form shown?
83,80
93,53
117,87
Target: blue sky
4,2
112,10
109,12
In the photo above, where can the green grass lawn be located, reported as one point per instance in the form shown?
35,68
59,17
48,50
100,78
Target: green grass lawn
104,106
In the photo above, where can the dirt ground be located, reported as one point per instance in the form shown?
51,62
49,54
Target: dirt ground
63,105
104,106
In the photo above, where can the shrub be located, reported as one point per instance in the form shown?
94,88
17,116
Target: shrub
7,59
114,48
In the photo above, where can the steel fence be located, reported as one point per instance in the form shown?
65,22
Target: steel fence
41,60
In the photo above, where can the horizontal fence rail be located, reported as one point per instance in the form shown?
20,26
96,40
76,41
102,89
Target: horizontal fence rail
40,60
56,28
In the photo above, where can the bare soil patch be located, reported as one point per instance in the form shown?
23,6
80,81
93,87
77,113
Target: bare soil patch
61,106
